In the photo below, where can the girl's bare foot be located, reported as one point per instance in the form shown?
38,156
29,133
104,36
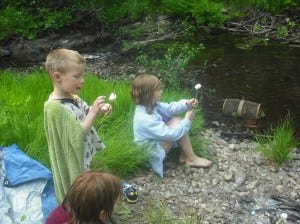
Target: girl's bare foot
198,162
182,159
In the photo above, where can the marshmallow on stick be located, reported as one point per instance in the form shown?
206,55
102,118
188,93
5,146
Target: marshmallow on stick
197,88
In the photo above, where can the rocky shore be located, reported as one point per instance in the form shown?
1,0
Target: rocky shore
240,187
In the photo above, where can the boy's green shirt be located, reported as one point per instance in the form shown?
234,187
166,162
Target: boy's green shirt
65,137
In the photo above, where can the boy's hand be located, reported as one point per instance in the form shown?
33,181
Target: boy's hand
190,114
100,107
106,109
193,102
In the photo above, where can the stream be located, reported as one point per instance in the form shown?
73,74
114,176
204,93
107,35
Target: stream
267,75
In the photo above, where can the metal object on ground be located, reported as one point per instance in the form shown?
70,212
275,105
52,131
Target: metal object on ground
241,108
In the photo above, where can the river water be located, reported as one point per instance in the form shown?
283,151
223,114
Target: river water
267,75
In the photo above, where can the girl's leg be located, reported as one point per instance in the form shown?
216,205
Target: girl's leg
187,154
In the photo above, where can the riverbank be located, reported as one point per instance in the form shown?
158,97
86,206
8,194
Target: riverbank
240,187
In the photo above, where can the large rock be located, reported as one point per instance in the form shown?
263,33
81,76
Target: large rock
23,51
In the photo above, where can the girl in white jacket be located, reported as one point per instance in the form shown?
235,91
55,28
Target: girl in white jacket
156,129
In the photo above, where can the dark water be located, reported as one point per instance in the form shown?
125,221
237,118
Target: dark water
269,75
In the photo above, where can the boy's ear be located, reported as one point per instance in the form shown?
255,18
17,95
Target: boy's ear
56,76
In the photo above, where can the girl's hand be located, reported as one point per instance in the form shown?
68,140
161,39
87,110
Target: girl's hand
190,114
193,102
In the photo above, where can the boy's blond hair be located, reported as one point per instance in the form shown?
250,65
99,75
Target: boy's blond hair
59,60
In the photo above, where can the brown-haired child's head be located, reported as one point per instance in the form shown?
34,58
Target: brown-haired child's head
92,197
61,60
143,90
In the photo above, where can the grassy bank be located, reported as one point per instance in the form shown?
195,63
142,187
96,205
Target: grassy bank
22,97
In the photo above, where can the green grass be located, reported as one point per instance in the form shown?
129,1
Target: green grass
22,98
278,142
21,102
157,212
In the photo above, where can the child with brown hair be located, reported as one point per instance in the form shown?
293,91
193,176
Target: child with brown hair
72,140
90,200
155,126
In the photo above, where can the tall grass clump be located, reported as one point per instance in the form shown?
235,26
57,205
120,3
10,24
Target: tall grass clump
277,143
21,101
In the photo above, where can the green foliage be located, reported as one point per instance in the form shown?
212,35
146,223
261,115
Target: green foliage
21,101
12,23
282,31
278,143
274,6
157,212
172,66
54,19
204,12
40,16
208,13
181,7
13,20
30,18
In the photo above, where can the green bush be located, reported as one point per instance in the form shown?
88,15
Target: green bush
274,6
41,16
209,13
13,20
204,12
172,67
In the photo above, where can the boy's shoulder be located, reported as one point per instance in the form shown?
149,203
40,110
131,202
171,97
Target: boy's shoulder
52,103
52,106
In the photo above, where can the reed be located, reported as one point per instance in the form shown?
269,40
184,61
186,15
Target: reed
278,142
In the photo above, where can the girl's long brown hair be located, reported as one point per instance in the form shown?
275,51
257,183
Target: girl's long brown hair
143,88
91,194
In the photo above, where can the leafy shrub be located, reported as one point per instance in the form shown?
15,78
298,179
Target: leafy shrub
171,67
204,12
278,143
13,20
12,23
274,6
208,13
